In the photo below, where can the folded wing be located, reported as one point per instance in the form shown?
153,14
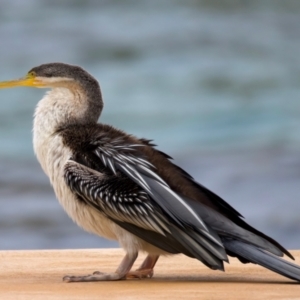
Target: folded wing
126,188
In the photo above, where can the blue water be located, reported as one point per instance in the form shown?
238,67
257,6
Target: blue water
215,84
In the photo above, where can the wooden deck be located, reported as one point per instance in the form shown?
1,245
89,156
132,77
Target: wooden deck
38,275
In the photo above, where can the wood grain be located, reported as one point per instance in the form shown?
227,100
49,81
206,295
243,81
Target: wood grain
38,275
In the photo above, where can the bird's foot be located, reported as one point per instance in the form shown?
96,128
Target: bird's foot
146,268
140,273
119,274
96,276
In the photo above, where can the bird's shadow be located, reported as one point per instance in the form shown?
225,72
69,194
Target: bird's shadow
218,279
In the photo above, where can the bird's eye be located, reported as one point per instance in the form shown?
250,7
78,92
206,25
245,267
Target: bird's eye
31,74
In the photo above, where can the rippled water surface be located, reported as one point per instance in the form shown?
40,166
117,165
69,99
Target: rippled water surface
217,86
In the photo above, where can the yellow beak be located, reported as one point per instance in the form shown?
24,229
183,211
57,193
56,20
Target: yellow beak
28,80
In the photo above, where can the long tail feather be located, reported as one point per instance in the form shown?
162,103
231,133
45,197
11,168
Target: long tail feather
263,258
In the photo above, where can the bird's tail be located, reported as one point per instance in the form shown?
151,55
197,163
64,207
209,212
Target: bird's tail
263,258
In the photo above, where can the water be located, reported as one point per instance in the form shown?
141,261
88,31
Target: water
215,85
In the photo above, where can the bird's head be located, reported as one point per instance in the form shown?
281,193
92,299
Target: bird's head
85,100
53,75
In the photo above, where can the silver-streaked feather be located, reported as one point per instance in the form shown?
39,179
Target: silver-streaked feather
135,212
153,207
140,171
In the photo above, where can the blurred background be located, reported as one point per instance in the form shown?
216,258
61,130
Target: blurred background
216,84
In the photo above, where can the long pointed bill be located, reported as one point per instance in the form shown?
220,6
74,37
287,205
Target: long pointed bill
26,81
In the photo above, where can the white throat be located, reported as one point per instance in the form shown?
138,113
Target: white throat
57,107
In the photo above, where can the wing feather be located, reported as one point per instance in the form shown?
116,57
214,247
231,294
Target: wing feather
144,176
102,193
131,193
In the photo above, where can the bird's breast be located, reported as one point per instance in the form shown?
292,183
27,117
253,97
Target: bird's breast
53,155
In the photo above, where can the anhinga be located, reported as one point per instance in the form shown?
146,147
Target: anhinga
120,187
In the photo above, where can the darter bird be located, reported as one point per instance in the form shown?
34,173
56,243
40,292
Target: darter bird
121,187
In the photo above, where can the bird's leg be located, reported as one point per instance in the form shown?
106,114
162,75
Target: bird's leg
119,274
146,268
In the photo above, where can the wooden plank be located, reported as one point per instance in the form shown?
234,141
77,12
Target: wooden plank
38,275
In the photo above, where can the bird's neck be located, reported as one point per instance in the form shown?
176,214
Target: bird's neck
61,107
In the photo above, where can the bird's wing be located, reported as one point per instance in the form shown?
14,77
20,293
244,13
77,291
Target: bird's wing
233,218
235,225
131,193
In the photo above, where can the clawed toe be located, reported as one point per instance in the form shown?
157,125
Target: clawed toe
96,276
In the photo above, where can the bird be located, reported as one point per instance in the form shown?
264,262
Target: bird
123,188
